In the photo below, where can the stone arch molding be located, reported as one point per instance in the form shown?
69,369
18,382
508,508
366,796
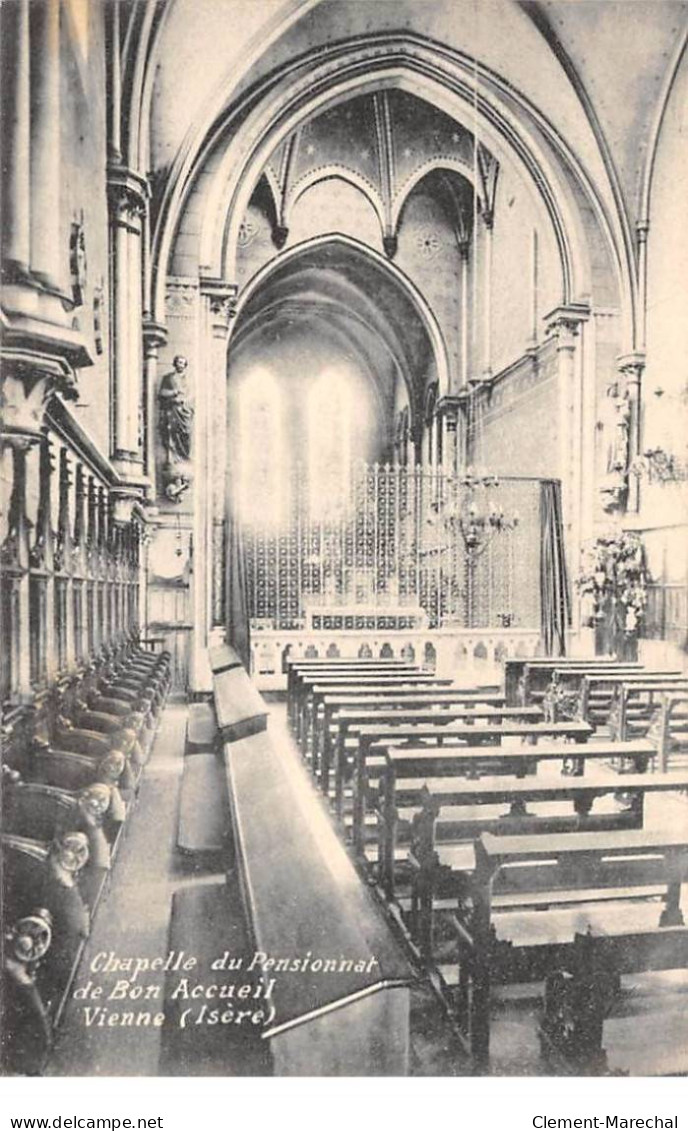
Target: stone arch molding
235,150
444,164
329,173
425,313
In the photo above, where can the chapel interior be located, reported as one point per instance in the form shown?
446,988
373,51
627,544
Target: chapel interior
343,548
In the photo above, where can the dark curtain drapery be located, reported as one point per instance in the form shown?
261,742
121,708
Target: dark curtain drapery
555,599
236,594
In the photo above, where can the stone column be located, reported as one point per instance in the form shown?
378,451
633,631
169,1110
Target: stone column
487,170
642,228
16,135
463,251
127,193
45,142
563,324
63,547
534,290
154,336
14,556
631,366
487,298
114,79
448,410
219,298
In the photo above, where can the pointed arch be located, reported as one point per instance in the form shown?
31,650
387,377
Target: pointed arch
383,265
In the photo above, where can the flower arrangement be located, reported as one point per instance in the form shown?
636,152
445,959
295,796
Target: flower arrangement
614,569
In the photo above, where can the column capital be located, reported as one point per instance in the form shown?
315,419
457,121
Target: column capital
221,296
127,499
154,336
631,366
563,323
642,227
28,380
128,194
448,408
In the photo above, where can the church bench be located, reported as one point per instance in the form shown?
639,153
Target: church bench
27,1024
305,678
536,678
438,815
51,728
347,721
325,724
638,707
75,772
312,693
399,777
299,668
201,729
203,819
111,764
408,769
205,921
128,730
240,709
43,812
597,695
45,875
223,658
514,669
499,946
304,901
484,735
669,729
590,694
72,772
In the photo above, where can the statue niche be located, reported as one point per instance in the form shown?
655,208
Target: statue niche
176,424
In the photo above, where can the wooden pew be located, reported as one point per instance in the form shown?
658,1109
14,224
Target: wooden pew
46,875
45,813
342,676
314,691
27,1022
223,658
407,698
406,774
474,735
348,720
515,668
201,729
240,709
73,758
596,690
537,678
440,817
670,730
497,946
635,704
297,667
298,671
304,900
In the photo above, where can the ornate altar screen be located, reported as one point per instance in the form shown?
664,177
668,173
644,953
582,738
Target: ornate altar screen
397,548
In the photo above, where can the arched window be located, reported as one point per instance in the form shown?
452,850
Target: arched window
330,429
262,482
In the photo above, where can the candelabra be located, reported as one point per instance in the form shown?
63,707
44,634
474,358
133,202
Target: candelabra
478,519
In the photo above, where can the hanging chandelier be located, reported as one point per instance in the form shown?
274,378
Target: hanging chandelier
475,513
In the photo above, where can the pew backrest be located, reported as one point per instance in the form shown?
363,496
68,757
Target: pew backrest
239,707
